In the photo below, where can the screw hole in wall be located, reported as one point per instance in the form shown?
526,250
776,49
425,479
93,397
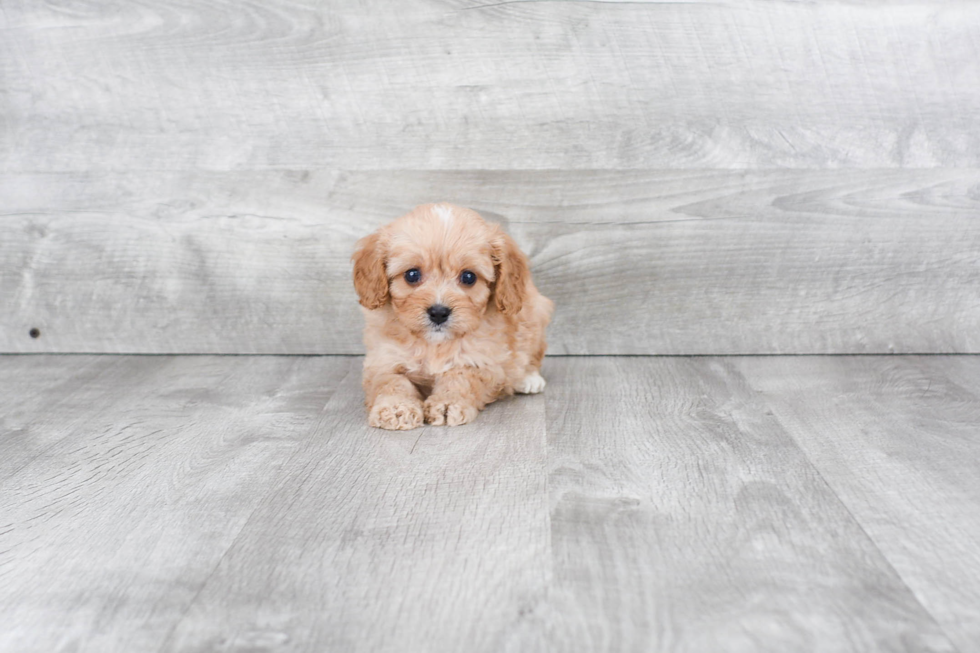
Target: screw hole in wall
35,333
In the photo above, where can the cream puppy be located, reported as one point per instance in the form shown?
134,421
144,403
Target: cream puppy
453,320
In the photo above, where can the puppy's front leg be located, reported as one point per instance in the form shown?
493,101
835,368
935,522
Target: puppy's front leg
395,403
460,394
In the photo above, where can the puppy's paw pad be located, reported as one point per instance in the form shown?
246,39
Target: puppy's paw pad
439,412
396,414
532,384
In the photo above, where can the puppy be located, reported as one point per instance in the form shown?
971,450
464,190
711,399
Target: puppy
453,320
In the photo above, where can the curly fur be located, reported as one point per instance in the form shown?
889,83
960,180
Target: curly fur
492,344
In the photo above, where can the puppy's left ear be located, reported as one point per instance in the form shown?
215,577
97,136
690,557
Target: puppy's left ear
513,274
370,276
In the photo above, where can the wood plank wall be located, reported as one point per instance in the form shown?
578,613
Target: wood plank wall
757,176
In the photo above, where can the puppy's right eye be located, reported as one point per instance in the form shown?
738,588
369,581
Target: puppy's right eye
413,276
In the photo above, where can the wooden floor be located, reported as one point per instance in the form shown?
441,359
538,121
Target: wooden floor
199,503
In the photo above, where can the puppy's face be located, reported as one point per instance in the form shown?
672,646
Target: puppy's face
440,267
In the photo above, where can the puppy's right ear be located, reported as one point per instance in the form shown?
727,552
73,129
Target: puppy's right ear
370,276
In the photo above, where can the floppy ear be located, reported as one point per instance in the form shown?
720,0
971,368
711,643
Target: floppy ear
370,276
513,274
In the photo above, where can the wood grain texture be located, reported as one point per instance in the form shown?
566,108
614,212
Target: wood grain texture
119,536
45,399
428,540
897,440
470,84
638,262
109,532
641,504
685,518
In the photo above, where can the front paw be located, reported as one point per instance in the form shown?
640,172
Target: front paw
396,413
439,411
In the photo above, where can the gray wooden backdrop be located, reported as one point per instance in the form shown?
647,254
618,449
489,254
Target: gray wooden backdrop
688,177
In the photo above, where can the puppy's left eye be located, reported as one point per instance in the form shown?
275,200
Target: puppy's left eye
467,278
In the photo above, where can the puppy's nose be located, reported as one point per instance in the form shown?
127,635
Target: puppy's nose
439,313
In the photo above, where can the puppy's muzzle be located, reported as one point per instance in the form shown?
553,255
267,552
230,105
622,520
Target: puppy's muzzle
439,313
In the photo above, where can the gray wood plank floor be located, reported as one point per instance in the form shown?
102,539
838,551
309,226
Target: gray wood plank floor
898,443
640,504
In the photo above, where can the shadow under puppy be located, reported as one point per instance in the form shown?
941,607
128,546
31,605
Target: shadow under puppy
453,320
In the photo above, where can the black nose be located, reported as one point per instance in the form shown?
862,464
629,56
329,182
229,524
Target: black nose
439,313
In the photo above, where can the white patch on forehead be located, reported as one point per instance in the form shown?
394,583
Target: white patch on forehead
445,214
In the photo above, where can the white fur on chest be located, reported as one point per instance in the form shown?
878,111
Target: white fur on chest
424,360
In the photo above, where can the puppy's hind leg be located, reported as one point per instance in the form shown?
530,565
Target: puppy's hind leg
535,346
531,384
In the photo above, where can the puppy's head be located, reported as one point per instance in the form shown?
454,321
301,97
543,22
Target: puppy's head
441,267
